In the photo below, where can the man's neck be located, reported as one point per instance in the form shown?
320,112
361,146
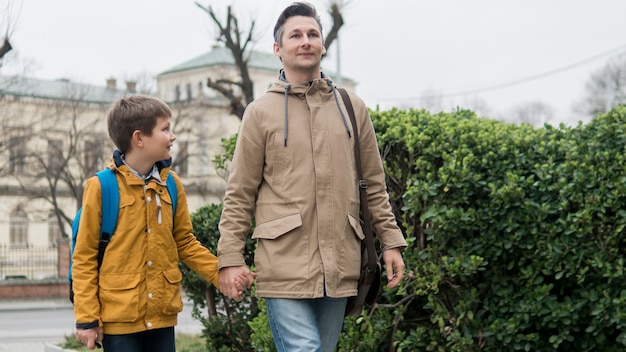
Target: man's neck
296,77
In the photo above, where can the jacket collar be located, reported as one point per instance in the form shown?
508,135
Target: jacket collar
161,168
324,84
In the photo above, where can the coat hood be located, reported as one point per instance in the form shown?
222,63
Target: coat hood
302,89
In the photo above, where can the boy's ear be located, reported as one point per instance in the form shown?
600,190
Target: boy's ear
136,139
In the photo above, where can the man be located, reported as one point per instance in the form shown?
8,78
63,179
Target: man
294,168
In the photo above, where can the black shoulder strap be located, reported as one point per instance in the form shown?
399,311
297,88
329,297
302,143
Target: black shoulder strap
365,213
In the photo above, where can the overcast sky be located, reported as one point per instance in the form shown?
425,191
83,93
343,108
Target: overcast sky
397,50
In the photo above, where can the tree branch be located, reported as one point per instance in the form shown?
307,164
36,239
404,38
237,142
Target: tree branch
335,13
5,48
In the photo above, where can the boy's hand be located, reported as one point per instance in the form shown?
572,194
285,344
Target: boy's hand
234,280
90,337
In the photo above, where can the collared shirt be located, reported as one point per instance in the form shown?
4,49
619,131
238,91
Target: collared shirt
153,174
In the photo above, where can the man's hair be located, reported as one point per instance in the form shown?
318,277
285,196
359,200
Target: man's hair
131,113
295,9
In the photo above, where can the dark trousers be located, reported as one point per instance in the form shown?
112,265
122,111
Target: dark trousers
157,340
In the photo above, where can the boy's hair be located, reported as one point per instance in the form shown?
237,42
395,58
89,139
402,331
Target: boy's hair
131,113
295,9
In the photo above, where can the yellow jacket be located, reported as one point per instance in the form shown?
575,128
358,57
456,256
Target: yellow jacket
138,285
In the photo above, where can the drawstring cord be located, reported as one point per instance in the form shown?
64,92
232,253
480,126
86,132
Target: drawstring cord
287,88
158,204
343,116
345,122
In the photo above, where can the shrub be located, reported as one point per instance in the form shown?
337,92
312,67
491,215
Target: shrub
516,233
226,327
516,237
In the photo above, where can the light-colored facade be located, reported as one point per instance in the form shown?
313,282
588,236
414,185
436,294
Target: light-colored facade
53,136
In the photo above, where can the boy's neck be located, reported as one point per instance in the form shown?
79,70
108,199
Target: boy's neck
139,164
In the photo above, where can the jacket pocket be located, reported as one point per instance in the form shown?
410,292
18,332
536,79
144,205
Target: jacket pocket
275,228
282,251
356,226
350,259
170,300
127,208
119,297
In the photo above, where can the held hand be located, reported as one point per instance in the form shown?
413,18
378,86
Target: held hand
90,337
394,265
234,280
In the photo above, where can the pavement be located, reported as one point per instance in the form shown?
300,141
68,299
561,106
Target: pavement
22,342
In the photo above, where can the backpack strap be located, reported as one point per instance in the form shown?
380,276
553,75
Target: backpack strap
171,188
110,208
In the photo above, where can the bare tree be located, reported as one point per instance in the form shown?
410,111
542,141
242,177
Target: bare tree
240,92
62,146
7,25
535,113
605,88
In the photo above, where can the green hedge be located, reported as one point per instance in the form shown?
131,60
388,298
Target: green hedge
225,321
516,233
515,236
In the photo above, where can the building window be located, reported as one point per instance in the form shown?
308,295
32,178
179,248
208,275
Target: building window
54,230
92,155
18,228
189,92
182,159
55,157
17,155
177,93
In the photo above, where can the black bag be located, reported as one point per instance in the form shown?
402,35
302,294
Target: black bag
369,286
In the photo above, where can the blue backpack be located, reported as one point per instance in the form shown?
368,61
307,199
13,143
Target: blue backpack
110,208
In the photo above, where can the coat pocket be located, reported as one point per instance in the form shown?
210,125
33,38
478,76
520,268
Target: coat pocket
350,259
170,301
119,297
282,251
275,228
127,208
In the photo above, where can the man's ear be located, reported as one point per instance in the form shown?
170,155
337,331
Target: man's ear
136,139
277,51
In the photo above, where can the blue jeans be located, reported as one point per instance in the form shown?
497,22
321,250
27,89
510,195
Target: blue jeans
157,340
311,325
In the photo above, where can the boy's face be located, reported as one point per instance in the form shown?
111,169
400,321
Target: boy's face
158,146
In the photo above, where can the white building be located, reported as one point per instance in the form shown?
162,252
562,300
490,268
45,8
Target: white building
53,137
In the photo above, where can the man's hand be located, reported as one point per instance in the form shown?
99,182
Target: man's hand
234,279
394,265
89,337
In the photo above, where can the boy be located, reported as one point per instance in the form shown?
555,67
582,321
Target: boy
132,301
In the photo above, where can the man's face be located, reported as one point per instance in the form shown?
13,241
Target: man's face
302,47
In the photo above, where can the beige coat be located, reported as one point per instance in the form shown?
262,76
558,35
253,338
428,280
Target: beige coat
294,169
